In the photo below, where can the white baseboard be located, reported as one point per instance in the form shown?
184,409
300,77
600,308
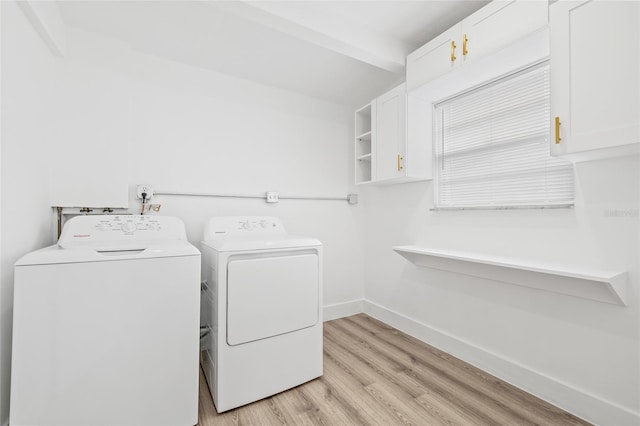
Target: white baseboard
579,402
341,310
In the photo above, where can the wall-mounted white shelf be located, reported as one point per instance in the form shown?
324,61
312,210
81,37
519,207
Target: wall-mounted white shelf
594,284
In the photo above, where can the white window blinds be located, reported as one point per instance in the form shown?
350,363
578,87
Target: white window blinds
492,146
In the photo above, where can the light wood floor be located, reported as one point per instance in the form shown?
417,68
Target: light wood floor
376,375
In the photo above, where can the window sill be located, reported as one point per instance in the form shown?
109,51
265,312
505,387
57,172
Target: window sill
531,207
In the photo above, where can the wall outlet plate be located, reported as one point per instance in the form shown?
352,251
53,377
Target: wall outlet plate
272,197
144,188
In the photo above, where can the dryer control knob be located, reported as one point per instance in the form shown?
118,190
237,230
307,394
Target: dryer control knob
128,227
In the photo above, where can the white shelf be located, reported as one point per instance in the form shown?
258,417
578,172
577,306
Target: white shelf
363,148
366,136
593,284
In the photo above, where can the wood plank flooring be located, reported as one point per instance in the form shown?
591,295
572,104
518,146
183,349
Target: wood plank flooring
377,375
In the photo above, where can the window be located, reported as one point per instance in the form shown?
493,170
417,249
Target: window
492,146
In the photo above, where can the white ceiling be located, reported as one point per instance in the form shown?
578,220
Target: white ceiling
342,51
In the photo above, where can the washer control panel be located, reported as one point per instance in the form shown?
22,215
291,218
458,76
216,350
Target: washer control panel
81,230
129,224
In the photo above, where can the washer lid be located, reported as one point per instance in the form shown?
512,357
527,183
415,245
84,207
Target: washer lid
262,243
101,238
144,250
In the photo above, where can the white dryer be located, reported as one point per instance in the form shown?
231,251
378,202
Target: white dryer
106,326
263,308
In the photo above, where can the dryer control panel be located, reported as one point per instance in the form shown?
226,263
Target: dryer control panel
237,226
81,230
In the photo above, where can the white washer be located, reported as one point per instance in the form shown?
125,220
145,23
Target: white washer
264,309
106,326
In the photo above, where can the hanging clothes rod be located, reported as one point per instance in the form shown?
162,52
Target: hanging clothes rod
350,198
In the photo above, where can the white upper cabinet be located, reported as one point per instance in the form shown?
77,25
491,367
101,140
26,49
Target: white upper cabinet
434,59
500,23
493,27
383,151
595,74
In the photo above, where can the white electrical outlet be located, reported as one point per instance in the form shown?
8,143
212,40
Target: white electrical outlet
272,197
144,188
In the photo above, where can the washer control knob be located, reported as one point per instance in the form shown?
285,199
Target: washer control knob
128,227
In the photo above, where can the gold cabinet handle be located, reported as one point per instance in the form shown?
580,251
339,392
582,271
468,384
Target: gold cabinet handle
399,162
464,45
453,50
558,123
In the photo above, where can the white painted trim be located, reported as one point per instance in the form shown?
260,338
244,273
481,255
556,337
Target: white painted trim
341,310
46,21
4,350
564,395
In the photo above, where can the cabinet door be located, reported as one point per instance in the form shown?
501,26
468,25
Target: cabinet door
391,134
434,58
499,24
595,77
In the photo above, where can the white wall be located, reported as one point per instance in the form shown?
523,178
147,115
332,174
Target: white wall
3,367
92,126
26,141
195,130
180,127
172,126
580,354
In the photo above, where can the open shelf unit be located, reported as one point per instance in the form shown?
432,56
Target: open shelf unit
364,144
580,281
